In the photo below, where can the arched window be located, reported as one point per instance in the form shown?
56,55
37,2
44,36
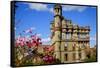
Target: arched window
68,35
63,36
66,46
74,46
59,36
66,57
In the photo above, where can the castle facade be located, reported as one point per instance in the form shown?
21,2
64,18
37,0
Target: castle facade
69,40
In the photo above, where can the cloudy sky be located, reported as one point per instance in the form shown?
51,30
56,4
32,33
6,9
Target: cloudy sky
37,17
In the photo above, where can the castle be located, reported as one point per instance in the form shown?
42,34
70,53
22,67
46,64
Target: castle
70,41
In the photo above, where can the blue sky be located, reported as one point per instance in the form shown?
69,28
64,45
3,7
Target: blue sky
39,16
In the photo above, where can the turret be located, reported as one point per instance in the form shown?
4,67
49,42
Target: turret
58,10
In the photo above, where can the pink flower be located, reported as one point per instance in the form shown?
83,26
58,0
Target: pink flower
33,40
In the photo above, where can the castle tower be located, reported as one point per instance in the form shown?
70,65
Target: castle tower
57,30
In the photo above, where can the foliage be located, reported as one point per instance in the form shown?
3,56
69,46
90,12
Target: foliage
91,59
26,52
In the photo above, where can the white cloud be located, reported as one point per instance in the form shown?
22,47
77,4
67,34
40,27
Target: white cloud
15,28
32,28
38,35
29,30
93,38
46,41
39,7
44,7
71,8
51,10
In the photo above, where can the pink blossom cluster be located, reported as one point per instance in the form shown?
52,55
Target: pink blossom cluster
48,59
33,40
50,48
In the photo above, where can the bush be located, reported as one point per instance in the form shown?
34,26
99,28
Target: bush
91,59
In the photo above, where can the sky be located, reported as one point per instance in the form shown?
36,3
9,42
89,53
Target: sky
38,16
